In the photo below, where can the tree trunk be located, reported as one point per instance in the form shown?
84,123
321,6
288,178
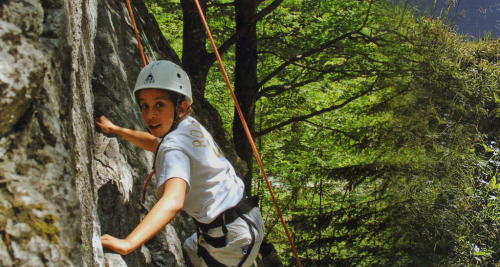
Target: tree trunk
245,85
195,59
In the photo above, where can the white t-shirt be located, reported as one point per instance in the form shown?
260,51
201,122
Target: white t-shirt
191,154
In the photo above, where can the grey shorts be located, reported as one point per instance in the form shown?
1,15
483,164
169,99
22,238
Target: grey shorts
238,241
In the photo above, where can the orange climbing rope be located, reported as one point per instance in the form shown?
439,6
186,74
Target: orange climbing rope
145,64
249,135
146,184
136,33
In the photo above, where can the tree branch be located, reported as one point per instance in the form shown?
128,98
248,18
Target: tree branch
275,90
220,4
316,113
224,47
303,55
333,130
267,10
272,53
367,16
232,40
318,49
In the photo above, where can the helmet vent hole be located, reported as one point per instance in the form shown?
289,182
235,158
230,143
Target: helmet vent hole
178,75
181,86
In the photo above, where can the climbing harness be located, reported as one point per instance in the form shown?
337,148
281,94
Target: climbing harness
225,218
202,251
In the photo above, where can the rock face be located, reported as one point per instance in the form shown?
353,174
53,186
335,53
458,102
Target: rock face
63,184
40,213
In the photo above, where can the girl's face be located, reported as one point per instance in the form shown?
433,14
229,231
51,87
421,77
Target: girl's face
157,111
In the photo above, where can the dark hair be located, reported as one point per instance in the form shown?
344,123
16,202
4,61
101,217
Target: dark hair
175,97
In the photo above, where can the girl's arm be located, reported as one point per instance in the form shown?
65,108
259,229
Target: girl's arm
162,213
141,139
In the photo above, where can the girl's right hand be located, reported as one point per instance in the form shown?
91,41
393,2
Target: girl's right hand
105,124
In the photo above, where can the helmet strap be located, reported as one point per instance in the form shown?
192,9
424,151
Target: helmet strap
175,123
174,126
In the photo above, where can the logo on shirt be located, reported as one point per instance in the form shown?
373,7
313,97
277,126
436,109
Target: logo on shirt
204,140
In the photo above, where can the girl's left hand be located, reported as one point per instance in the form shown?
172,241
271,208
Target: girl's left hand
105,125
120,246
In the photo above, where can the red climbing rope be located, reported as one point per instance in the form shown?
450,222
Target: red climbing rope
136,33
249,135
145,64
146,184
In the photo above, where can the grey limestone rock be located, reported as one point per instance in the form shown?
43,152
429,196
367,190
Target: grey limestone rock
22,69
114,260
5,259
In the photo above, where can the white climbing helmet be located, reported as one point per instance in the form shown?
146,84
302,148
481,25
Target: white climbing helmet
164,75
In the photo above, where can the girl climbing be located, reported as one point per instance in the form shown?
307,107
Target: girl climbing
192,173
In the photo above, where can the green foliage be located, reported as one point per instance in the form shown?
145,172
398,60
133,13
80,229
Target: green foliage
169,17
396,179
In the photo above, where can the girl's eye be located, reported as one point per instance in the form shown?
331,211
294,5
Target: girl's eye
159,105
144,106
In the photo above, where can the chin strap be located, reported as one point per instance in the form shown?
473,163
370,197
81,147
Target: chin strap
175,123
